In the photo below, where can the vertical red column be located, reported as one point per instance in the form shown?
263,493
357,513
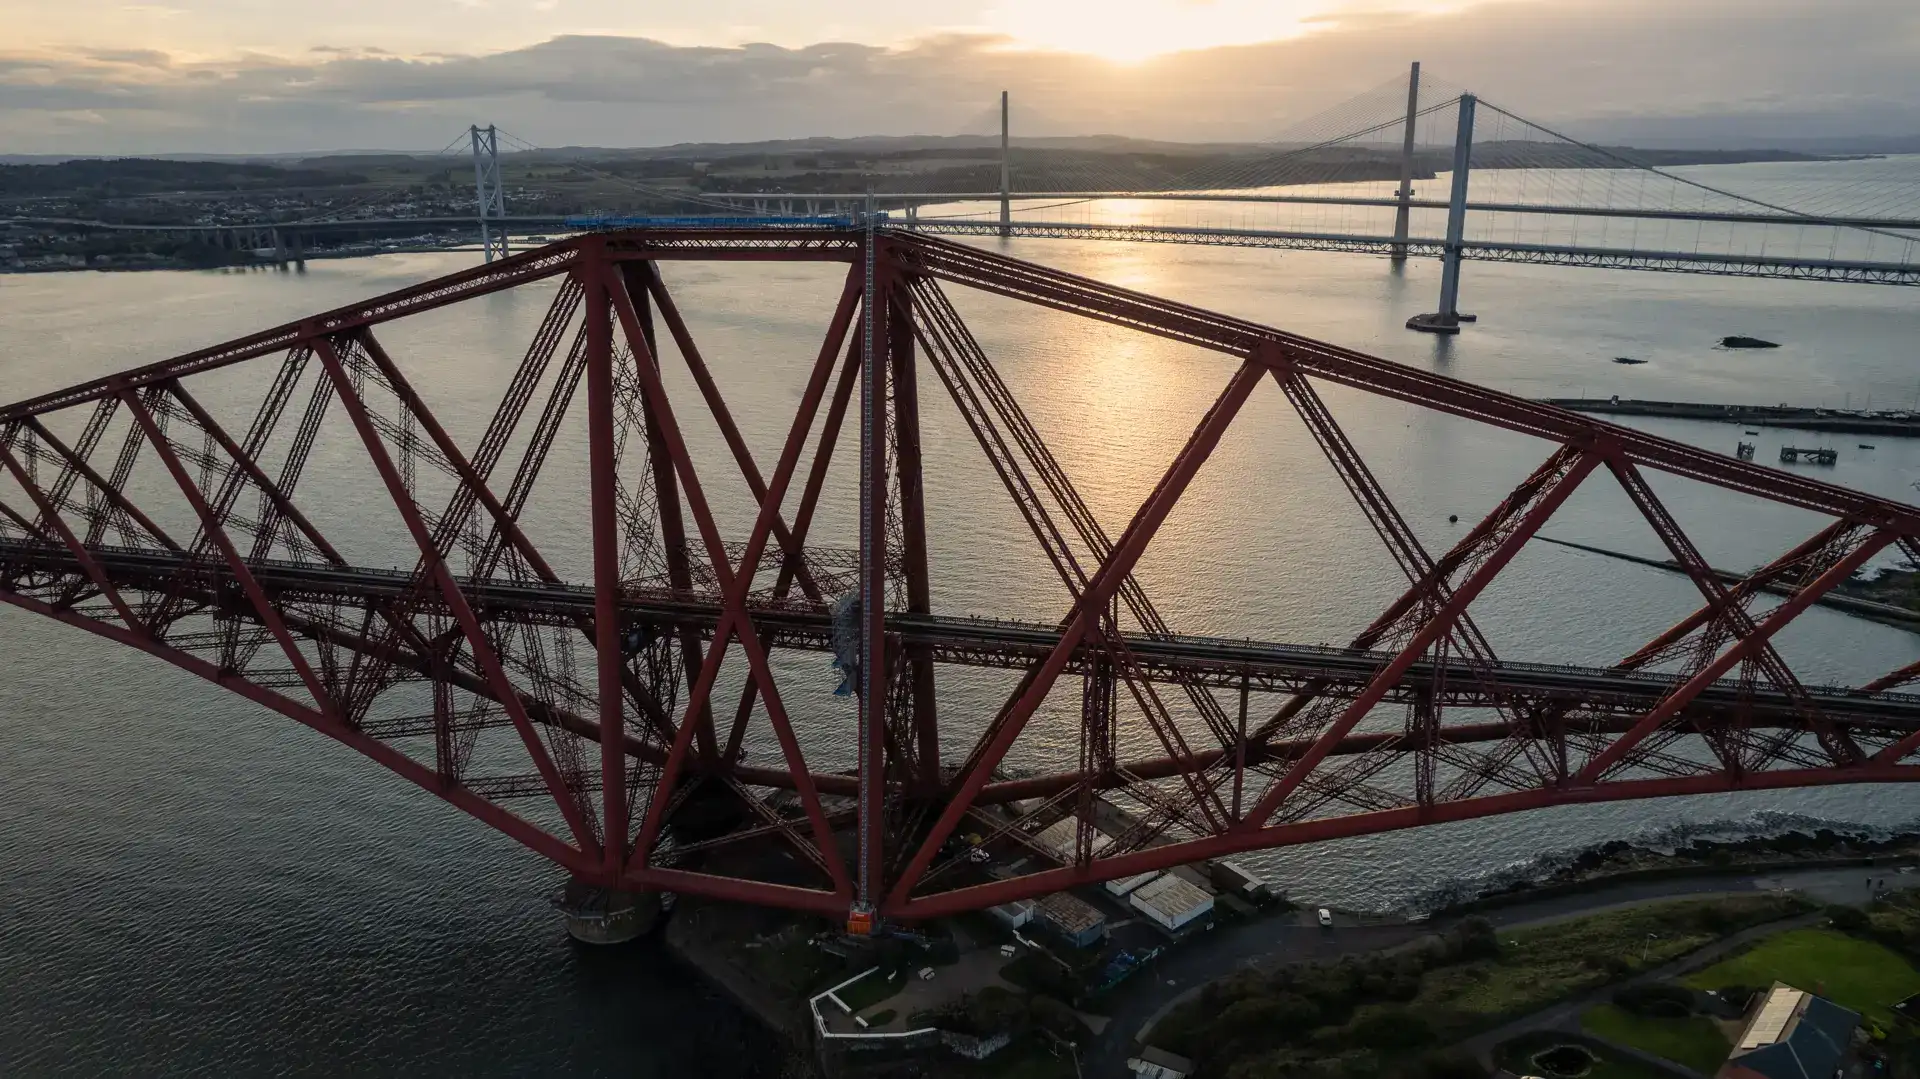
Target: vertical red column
873,577
913,530
602,486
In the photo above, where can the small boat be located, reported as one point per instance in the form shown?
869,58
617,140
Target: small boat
1753,432
1628,360
1866,445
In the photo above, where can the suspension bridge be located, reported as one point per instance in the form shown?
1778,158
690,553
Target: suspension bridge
1411,169
587,651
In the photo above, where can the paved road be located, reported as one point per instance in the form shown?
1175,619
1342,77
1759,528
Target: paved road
1283,939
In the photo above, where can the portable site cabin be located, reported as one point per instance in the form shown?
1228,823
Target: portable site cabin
1013,915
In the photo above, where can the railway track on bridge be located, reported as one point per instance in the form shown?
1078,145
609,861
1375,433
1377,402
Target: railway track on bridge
1221,662
608,724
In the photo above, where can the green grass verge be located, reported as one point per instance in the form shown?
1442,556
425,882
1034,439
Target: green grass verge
870,990
1616,1068
1851,972
1695,1041
1552,962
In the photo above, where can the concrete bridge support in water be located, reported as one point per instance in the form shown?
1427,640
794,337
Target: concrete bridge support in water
600,916
1448,318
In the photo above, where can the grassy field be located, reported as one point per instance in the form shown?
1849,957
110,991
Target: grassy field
1695,1041
1851,972
1616,1068
869,991
1393,1007
1539,966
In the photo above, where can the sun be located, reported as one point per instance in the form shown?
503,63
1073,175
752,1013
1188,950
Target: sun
1129,31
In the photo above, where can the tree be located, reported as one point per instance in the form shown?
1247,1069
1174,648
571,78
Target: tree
1848,919
1476,939
1447,1065
994,1009
1056,1018
1656,1000
1390,1028
1264,1021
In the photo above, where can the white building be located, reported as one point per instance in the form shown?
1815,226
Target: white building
1125,885
1013,915
1171,902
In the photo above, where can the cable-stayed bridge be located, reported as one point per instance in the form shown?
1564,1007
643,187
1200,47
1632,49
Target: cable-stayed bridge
1423,168
1415,168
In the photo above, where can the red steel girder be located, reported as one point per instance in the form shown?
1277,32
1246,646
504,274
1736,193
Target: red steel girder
1105,583
1592,743
598,276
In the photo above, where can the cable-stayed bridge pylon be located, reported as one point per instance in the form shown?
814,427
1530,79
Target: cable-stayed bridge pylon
1421,167
1417,167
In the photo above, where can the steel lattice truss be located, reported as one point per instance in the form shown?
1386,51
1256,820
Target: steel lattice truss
602,722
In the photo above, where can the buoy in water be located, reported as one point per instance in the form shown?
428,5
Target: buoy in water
1453,518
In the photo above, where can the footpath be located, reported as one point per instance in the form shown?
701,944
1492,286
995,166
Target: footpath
1566,1014
1267,943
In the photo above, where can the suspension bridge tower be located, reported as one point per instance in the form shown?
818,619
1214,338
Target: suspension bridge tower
488,194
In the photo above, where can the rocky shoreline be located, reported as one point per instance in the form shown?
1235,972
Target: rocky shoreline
1620,860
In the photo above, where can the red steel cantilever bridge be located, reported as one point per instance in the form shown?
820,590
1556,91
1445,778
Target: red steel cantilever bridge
601,720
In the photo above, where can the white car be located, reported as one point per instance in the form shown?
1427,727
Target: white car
1326,917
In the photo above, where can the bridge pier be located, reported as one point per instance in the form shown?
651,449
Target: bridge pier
1448,318
596,915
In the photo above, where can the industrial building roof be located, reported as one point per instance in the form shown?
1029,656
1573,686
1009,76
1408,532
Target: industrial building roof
1071,913
1127,884
1062,840
1172,896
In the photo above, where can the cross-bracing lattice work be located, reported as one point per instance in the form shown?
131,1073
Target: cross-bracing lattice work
593,696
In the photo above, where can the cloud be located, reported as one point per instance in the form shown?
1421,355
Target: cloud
1707,69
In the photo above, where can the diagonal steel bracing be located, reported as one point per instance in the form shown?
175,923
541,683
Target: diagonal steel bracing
497,669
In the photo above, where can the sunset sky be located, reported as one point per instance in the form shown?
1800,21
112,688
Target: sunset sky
265,75
1126,30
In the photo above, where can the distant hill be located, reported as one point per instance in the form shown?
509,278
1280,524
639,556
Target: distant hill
1659,150
566,179
129,176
